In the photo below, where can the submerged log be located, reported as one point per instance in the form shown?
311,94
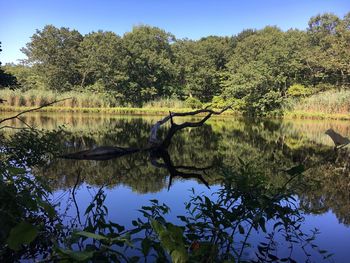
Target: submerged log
100,153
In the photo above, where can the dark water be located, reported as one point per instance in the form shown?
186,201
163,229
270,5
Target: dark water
270,147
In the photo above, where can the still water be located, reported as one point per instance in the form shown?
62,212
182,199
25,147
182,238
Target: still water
223,145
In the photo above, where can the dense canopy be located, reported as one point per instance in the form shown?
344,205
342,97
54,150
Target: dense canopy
256,69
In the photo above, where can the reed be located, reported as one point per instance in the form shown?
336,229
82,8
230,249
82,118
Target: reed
169,103
36,98
328,102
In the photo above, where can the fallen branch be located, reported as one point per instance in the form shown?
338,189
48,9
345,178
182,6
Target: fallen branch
100,153
158,149
153,140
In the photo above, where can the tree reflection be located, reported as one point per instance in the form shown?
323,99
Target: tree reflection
259,158
247,220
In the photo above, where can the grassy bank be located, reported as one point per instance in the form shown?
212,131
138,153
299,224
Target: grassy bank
111,110
316,115
326,105
35,98
87,102
332,104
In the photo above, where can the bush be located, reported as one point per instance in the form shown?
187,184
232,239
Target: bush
266,104
218,102
298,90
193,103
324,87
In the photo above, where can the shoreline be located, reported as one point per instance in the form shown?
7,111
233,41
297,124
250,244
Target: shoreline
162,111
297,115
115,110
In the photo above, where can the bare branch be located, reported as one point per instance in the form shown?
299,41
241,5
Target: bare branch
153,140
157,149
174,171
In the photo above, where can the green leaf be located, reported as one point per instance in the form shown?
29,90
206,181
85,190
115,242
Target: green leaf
16,170
91,235
262,224
49,209
146,246
158,227
76,255
176,233
241,229
179,256
23,233
89,208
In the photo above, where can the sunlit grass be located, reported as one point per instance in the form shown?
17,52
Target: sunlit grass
36,98
325,103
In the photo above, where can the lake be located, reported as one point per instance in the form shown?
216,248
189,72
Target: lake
261,154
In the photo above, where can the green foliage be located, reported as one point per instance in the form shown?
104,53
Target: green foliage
149,64
26,77
6,79
54,53
193,103
28,220
261,68
298,90
255,67
21,234
199,64
101,62
171,239
36,98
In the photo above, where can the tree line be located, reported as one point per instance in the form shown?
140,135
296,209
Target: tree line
256,70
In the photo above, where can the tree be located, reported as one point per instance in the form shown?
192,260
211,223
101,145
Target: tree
328,52
101,61
53,52
263,66
26,76
148,64
6,79
199,64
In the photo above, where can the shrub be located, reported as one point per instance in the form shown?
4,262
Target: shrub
218,102
193,103
298,90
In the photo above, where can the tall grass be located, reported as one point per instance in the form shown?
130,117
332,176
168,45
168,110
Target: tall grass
35,98
166,103
328,102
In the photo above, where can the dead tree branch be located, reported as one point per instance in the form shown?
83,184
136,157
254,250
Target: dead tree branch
153,139
158,149
101,153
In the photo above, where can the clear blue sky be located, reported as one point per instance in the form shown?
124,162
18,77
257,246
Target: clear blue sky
184,18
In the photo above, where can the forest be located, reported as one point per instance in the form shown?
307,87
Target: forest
257,71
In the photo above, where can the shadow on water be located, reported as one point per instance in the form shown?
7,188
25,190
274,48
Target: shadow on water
265,178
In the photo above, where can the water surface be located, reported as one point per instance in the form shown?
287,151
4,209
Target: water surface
272,146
